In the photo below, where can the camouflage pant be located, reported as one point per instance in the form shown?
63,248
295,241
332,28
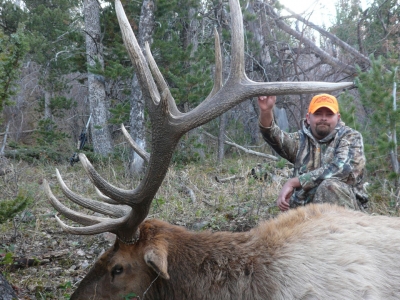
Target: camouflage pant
329,191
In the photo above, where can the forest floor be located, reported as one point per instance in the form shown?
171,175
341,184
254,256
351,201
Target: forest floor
43,262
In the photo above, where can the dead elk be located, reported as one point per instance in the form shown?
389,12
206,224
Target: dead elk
315,252
318,252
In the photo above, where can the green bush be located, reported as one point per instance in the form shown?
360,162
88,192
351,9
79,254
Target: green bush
187,151
10,208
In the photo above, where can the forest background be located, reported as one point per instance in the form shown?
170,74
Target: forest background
63,62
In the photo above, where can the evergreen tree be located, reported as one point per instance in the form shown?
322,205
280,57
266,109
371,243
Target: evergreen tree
53,32
186,70
12,52
373,30
376,91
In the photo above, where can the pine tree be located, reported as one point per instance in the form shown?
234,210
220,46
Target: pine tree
186,69
12,52
376,91
373,30
52,29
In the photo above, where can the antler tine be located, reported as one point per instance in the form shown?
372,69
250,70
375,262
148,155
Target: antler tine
104,198
100,207
142,153
160,82
69,213
111,225
218,66
93,224
127,197
146,80
237,71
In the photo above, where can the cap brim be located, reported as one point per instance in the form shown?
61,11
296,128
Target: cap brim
334,110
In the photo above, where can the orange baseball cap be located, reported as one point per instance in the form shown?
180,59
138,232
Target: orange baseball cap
323,100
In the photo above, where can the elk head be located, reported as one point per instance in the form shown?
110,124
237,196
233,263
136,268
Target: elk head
130,264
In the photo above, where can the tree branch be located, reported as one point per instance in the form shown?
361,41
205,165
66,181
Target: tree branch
248,151
324,56
332,37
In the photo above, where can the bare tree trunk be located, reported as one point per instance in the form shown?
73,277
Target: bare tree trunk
221,138
3,146
101,136
4,164
137,121
281,118
393,138
47,108
223,119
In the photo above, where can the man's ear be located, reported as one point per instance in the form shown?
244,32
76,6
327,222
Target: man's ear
308,118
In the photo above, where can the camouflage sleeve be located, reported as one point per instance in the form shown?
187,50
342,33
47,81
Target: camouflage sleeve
285,144
346,165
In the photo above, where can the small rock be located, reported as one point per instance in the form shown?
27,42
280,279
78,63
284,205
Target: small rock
72,268
84,264
200,225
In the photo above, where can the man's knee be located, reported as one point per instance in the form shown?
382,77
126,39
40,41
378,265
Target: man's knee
335,192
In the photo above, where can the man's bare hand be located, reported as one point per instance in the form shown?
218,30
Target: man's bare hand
266,103
286,192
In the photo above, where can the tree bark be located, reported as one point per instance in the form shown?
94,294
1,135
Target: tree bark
223,119
4,164
3,145
393,138
137,121
47,108
101,135
221,138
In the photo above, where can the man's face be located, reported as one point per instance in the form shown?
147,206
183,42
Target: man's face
322,122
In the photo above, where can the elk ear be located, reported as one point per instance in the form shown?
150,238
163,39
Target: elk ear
156,258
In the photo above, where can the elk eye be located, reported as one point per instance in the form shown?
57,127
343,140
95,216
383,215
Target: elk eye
117,270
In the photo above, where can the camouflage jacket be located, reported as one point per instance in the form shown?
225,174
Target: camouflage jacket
340,155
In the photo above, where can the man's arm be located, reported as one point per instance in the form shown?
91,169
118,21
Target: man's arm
283,143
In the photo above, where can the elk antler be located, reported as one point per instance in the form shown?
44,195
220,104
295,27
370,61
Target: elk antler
130,207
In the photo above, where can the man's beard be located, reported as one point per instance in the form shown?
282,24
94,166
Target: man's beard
323,130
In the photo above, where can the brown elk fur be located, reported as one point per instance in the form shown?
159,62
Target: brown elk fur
314,252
